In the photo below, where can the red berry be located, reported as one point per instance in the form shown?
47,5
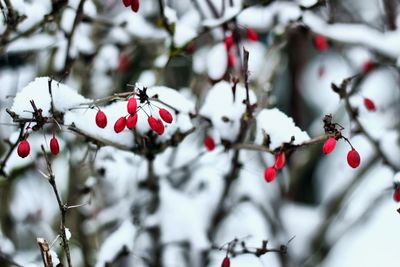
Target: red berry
329,145
54,146
368,66
190,48
251,35
132,121
226,262
123,63
132,105
160,127
135,5
209,143
280,161
369,104
101,119
23,149
127,2
229,42
396,194
353,158
231,60
152,123
320,43
165,115
120,125
269,174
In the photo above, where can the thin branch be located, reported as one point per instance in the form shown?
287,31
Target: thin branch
62,207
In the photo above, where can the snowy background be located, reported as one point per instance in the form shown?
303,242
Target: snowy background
181,198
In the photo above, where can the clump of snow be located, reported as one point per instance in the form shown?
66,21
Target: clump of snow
224,108
64,97
217,61
279,127
122,238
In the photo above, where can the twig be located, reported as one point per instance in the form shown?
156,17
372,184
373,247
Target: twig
11,149
62,207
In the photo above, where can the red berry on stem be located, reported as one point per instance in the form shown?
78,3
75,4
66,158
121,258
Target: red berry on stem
209,143
280,161
251,35
228,42
353,158
165,115
120,125
368,66
132,121
23,149
54,146
369,104
135,5
127,2
329,145
132,105
101,119
123,63
152,123
320,43
269,174
396,194
226,262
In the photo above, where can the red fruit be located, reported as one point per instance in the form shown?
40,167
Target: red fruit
280,161
132,121
160,127
123,63
132,105
152,123
190,48
54,146
231,60
396,194
369,104
135,5
209,143
120,125
229,42
23,149
353,158
269,174
226,262
101,119
165,115
368,66
127,2
320,43
252,35
329,145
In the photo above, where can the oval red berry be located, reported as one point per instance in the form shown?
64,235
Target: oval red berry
269,174
369,104
135,5
229,42
165,115
23,149
320,43
132,105
252,35
54,146
226,262
280,161
209,143
120,125
396,194
132,121
152,123
329,145
160,127
353,158
101,119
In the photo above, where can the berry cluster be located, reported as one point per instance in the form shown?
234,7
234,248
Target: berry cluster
134,4
270,172
229,41
130,120
24,147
